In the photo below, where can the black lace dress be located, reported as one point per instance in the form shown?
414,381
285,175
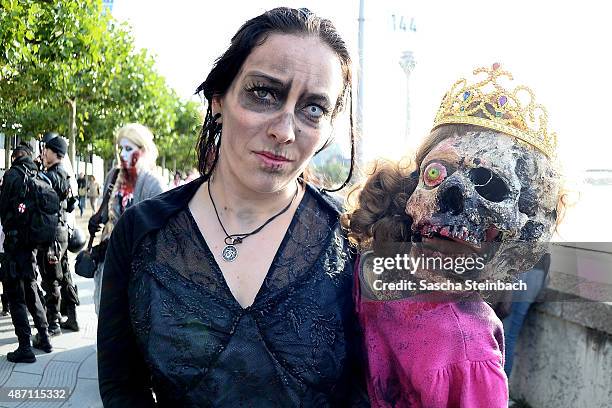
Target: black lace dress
295,346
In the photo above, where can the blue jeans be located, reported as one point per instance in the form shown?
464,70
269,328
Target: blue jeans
521,301
82,204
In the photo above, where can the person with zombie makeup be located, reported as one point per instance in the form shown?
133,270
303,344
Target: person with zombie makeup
235,289
485,184
136,182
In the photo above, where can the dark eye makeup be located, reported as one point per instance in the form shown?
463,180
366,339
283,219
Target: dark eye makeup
260,92
315,112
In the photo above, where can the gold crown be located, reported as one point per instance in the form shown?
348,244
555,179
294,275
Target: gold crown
513,112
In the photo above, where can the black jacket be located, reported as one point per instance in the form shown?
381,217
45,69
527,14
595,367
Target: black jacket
12,186
125,373
61,184
59,180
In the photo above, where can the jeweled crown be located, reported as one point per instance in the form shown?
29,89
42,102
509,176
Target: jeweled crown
486,103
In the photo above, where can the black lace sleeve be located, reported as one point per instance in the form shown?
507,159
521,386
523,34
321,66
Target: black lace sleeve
123,377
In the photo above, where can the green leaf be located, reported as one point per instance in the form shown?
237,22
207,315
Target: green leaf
86,55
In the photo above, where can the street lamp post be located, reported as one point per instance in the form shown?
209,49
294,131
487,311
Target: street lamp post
360,86
407,63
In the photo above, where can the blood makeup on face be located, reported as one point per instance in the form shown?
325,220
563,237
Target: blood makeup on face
130,153
135,157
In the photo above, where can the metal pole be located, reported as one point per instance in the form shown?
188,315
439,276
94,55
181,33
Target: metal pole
407,62
360,87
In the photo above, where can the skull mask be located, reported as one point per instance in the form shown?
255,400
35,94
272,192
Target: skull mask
488,194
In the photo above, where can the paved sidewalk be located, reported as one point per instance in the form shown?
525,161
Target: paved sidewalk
72,364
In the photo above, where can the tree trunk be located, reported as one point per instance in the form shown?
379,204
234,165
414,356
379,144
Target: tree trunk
7,152
174,168
72,129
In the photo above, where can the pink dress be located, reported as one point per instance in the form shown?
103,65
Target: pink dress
433,354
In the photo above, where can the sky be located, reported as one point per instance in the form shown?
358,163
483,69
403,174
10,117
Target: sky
557,48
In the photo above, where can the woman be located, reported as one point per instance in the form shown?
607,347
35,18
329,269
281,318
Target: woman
485,187
82,191
93,192
177,180
135,182
234,289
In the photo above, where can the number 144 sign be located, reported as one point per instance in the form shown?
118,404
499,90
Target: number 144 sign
402,23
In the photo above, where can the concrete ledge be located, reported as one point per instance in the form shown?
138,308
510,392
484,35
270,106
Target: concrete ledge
587,313
564,356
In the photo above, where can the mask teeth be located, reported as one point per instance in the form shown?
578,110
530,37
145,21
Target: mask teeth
470,237
456,232
460,232
464,233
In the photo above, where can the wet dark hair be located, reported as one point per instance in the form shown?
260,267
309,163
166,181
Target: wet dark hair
253,33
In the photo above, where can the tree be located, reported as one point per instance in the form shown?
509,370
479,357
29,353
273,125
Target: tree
50,52
333,172
180,143
70,67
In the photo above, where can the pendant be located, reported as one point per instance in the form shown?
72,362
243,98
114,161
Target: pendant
229,253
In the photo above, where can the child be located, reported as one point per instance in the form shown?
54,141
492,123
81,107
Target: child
484,183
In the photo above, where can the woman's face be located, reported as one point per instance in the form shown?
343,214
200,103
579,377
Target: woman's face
278,111
129,153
